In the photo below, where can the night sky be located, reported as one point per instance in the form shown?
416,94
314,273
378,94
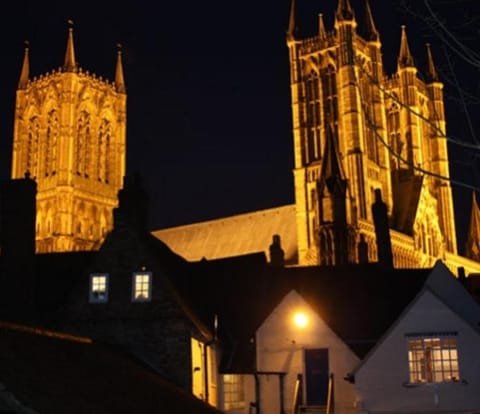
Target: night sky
209,122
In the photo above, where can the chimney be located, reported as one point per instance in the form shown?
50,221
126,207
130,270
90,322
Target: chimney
277,255
382,231
132,210
17,238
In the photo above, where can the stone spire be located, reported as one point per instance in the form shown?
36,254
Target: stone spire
405,58
344,11
371,31
25,73
322,33
119,79
472,247
291,21
333,231
432,75
331,172
70,64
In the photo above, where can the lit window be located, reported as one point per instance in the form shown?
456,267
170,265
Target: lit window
142,287
98,288
233,393
433,359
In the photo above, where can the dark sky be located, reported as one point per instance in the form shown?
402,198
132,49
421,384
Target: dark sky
209,123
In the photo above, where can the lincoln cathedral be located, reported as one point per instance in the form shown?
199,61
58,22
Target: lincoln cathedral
360,136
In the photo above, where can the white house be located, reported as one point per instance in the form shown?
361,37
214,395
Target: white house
295,340
428,361
360,339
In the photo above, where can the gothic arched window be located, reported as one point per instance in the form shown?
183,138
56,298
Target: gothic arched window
329,90
83,147
51,143
103,159
394,137
32,146
312,97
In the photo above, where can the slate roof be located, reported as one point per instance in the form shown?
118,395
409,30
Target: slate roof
235,236
55,275
358,302
52,373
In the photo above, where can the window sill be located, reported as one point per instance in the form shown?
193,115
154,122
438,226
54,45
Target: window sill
430,384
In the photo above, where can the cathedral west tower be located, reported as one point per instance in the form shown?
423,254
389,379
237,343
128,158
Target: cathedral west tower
70,137
389,135
371,171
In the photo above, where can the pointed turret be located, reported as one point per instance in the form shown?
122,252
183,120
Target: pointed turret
291,21
371,31
432,75
332,215
405,58
344,11
25,73
69,64
472,247
331,172
322,33
119,79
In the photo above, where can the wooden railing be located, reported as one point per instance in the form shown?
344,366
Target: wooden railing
330,396
297,404
297,395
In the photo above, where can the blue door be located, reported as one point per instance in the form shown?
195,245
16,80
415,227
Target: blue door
316,376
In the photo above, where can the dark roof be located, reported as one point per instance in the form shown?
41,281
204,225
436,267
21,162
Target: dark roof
55,373
358,302
55,275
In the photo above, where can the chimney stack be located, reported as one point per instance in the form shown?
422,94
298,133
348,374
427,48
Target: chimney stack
17,238
382,231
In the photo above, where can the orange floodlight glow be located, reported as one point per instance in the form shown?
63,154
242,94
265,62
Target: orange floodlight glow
300,319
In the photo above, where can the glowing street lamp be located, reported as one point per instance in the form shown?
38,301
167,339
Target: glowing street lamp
300,319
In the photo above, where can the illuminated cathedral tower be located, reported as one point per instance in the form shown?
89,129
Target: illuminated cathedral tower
69,136
378,132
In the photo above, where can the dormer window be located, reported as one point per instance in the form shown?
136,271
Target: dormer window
98,288
142,287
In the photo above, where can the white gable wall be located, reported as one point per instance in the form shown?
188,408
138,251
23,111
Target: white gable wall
381,379
280,346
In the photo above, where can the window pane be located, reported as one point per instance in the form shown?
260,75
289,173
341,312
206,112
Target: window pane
141,286
433,359
98,288
233,393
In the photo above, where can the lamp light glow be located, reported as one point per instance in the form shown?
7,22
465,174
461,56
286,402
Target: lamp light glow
300,319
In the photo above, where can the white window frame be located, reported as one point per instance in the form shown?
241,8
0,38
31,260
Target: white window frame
135,276
433,358
92,296
233,391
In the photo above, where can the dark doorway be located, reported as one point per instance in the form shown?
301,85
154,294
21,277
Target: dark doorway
316,376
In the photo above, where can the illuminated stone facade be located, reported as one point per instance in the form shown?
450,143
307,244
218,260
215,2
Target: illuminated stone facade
70,136
357,130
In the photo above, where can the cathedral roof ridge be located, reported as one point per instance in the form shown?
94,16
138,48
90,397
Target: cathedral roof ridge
80,72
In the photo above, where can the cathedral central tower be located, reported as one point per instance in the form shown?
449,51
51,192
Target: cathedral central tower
70,137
